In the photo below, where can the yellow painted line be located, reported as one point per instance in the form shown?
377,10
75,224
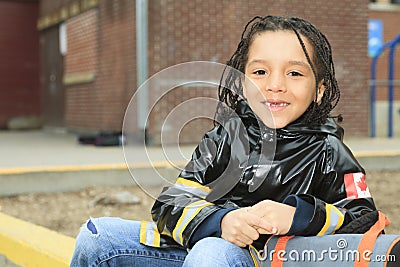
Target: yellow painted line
26,244
381,153
143,165
99,167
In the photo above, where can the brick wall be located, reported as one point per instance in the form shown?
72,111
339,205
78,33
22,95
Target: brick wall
181,31
19,64
116,77
100,43
82,101
81,43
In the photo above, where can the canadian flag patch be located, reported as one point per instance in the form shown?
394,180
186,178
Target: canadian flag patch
356,186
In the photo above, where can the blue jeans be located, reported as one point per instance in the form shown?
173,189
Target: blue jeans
115,242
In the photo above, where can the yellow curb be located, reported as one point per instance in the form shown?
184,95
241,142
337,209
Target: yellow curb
365,154
26,244
99,167
143,165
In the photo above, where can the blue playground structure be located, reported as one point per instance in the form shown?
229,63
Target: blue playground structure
391,45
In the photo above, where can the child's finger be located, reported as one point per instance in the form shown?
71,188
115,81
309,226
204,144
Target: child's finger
250,233
262,231
260,224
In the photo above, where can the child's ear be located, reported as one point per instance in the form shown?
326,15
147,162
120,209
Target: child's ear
321,91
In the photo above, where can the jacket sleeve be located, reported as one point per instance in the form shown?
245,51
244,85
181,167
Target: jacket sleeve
341,198
182,207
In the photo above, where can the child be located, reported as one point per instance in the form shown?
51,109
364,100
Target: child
236,192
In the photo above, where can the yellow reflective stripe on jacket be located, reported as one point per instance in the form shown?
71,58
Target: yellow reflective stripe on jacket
255,256
341,219
334,219
192,184
189,212
149,234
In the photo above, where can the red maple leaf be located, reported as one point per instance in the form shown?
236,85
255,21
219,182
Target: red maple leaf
362,185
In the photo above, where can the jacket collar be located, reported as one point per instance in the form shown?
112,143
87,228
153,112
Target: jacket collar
255,125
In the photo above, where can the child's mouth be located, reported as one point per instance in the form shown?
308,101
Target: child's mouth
276,106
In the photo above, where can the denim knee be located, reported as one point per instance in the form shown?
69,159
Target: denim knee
95,240
213,251
87,244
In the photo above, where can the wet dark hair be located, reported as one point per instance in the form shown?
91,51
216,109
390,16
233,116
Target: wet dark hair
321,64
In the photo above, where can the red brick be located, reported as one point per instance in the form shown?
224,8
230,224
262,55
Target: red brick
181,31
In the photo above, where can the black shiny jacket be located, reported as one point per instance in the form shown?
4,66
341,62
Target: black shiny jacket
242,162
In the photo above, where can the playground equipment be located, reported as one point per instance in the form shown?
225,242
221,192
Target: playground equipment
390,84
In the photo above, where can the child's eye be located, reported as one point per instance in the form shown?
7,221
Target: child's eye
260,72
295,73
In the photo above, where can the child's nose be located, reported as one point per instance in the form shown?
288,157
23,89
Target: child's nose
275,84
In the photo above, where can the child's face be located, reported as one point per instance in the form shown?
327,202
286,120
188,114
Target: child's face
279,81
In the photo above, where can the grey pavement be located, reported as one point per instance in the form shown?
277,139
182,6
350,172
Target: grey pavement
47,161
24,149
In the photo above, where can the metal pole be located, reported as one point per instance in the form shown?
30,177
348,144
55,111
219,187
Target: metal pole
390,85
373,96
142,61
390,91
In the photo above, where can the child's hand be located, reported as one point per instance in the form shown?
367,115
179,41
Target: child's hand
277,214
241,227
